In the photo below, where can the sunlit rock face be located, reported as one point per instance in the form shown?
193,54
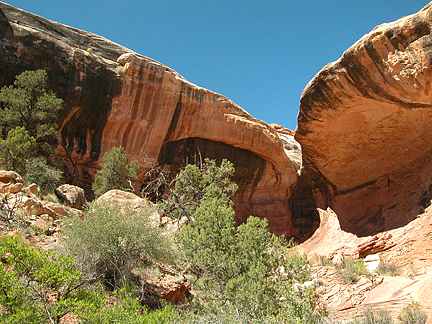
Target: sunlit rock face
113,96
365,127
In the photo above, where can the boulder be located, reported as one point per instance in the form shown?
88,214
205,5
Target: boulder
10,177
70,195
11,187
33,189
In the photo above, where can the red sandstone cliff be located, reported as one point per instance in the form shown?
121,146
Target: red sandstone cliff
364,128
113,96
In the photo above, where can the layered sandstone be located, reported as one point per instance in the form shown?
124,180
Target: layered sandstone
113,96
364,128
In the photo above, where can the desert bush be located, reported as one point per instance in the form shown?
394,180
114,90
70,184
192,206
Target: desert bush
18,147
370,316
180,195
47,177
387,269
413,314
351,270
111,240
116,172
324,260
127,309
37,287
245,270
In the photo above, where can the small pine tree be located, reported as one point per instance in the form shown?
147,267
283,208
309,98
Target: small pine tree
29,103
28,113
245,269
17,149
116,172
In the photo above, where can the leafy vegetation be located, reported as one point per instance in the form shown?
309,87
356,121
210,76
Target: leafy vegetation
38,171
245,269
35,287
413,314
29,103
18,148
38,287
28,113
370,316
116,172
110,241
351,270
180,196
387,269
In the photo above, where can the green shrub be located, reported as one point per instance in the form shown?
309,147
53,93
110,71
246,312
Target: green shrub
39,172
351,270
127,309
413,314
17,149
29,103
37,287
324,261
370,316
111,240
245,270
116,172
387,269
180,197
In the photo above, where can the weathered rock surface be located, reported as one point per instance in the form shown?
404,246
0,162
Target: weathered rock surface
408,247
71,196
115,97
364,128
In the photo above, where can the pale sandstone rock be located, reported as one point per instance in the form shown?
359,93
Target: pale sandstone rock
33,189
372,262
10,177
138,204
70,195
338,260
11,187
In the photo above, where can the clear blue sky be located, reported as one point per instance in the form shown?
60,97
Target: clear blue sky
260,54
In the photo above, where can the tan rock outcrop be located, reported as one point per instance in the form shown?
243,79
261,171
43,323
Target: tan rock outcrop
70,195
364,127
113,96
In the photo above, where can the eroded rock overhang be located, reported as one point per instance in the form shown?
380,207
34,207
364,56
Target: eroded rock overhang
113,96
364,127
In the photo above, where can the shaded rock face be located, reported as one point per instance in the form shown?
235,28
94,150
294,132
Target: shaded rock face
364,128
115,97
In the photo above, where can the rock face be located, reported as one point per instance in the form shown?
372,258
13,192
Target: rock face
364,128
71,196
113,96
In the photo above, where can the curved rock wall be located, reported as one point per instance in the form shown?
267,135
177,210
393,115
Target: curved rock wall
114,97
364,126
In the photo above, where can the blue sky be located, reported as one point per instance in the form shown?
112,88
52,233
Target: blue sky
260,54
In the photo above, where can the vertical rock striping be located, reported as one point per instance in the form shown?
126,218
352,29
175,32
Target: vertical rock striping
113,96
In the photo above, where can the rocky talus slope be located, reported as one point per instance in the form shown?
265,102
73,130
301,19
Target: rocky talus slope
114,96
